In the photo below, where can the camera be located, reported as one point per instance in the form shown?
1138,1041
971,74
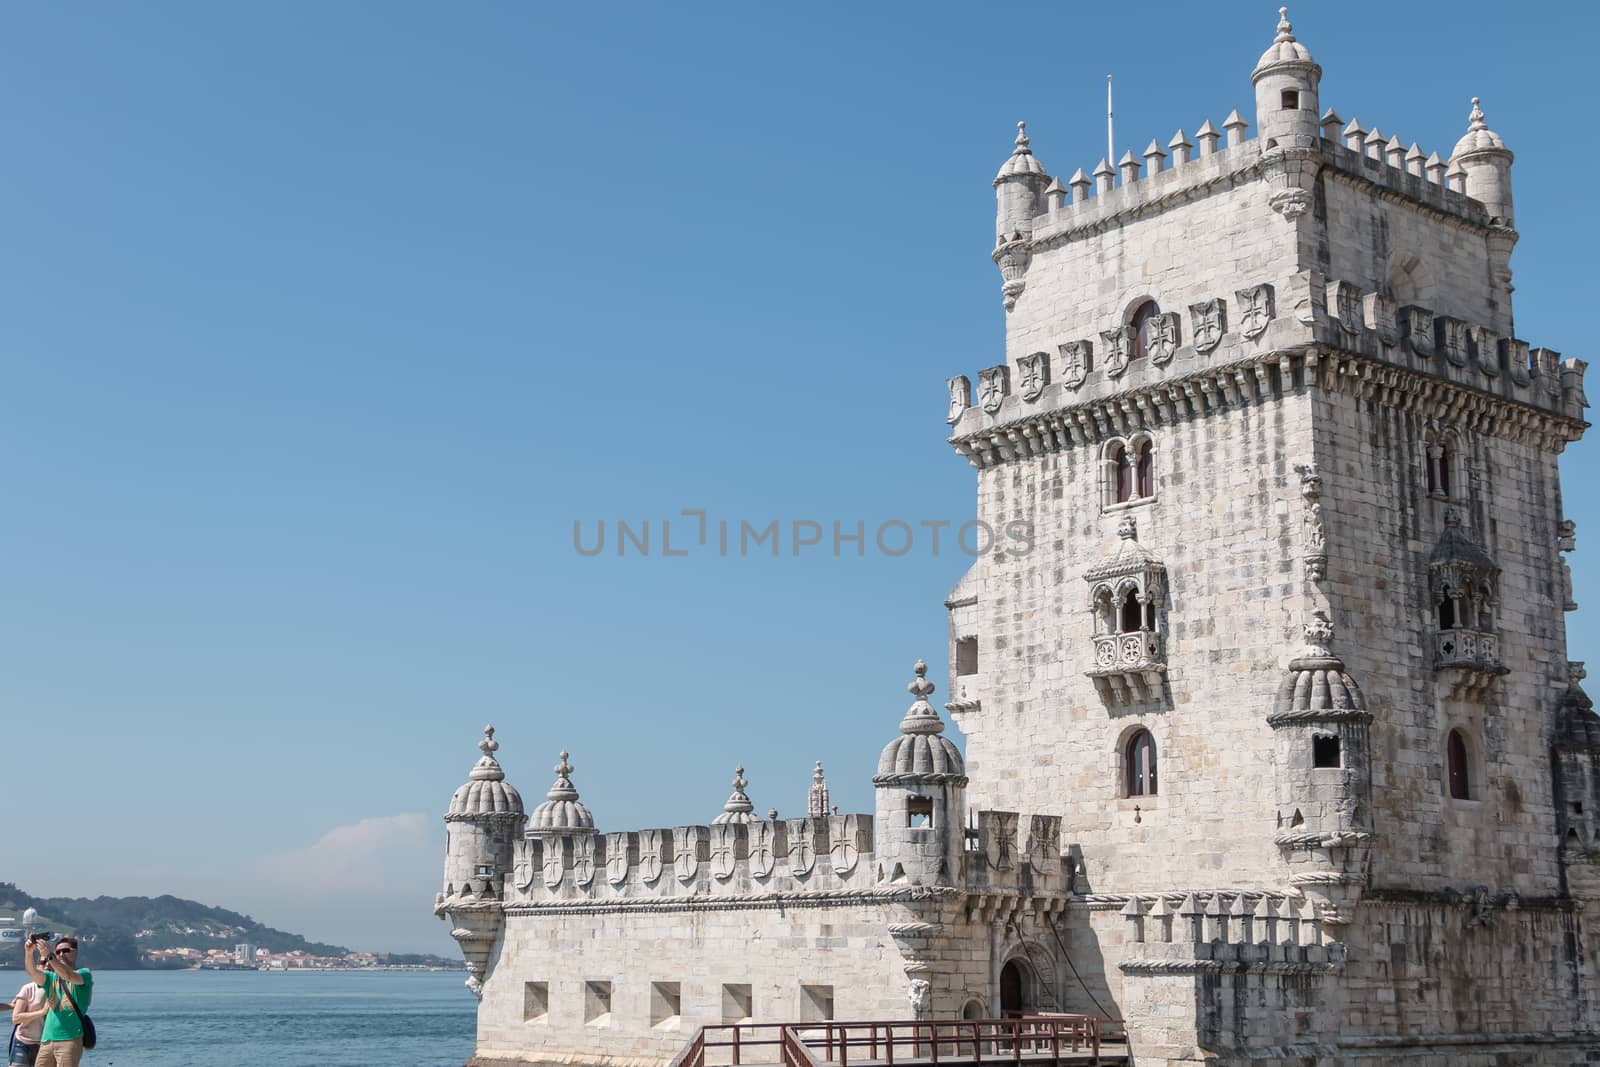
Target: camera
47,936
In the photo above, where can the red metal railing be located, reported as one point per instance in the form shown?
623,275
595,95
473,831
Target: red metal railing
1032,1039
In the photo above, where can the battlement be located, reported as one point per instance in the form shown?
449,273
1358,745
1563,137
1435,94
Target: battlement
1172,935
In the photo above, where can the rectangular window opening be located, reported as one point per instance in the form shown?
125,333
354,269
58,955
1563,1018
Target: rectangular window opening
967,656
816,1003
597,1003
535,1002
919,813
1325,751
738,1003
666,1004
1291,100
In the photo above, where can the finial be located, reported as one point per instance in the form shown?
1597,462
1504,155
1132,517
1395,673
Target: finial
1576,671
1022,140
1285,31
563,788
920,717
920,687
1128,528
563,768
816,775
1475,120
772,814
1319,633
488,746
1452,517
738,778
738,807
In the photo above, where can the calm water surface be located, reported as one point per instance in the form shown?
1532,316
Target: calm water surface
253,1019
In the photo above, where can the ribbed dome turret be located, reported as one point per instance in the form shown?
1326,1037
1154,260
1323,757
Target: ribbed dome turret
920,752
486,791
1316,688
1022,160
738,808
1284,50
561,811
1479,137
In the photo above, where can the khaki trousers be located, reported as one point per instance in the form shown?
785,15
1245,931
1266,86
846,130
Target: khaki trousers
60,1053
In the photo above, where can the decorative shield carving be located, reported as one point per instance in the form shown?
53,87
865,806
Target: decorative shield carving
1515,354
616,858
1077,360
522,866
1118,347
554,861
583,859
802,847
843,847
1255,310
763,848
1344,300
1163,335
1000,838
993,384
1416,329
723,851
1034,371
1044,837
1485,350
685,854
960,396
1210,322
1451,337
1378,311
650,855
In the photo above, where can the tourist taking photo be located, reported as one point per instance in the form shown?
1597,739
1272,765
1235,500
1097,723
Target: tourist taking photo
67,990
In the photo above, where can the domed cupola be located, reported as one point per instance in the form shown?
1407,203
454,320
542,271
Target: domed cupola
738,808
920,752
1323,769
562,812
1286,80
1019,191
486,790
921,798
1483,157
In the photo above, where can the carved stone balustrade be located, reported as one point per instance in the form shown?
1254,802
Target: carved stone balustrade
1128,665
1470,659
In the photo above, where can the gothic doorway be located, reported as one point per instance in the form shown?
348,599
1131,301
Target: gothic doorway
1011,985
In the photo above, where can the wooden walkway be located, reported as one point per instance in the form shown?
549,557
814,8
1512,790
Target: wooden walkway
1037,1040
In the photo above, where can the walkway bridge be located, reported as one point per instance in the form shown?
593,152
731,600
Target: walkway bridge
1032,1039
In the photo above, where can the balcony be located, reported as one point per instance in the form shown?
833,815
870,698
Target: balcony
1128,666
1468,659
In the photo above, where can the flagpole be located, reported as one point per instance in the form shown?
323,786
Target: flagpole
1111,150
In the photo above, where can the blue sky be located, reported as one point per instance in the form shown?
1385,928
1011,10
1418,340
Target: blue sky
323,323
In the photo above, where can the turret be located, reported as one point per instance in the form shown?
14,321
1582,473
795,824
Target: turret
481,829
1486,161
1286,81
921,797
738,808
1019,188
484,821
1324,776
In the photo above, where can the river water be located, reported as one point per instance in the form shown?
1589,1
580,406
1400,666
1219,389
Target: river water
262,1018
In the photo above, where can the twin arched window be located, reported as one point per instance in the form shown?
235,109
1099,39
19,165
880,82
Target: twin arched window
1139,765
1130,471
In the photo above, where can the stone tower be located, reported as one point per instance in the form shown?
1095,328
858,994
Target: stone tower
482,827
921,790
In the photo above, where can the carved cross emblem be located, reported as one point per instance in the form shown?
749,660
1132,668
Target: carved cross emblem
1416,326
685,853
1255,310
842,847
554,861
960,396
1035,372
1001,845
992,387
803,849
1453,332
722,850
763,848
522,867
1076,361
650,855
1379,313
1042,836
1487,348
1210,321
616,858
583,859
1345,301
1114,357
1162,338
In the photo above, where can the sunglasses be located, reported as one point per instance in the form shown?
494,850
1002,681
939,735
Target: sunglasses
64,949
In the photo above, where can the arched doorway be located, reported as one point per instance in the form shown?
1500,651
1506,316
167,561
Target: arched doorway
1012,982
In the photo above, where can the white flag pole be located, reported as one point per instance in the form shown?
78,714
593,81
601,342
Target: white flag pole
1111,150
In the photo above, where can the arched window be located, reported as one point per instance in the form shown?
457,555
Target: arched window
1144,468
1448,615
1443,456
1455,748
1011,990
1105,616
1140,770
1120,468
1485,610
1140,321
1131,619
